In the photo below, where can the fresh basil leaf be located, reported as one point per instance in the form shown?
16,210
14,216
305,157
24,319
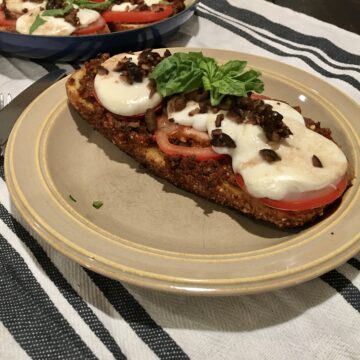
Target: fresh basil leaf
252,81
230,86
229,80
58,12
216,97
210,72
248,75
177,73
185,82
183,72
93,5
233,66
255,85
37,22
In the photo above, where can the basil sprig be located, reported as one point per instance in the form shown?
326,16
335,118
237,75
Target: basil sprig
97,204
184,72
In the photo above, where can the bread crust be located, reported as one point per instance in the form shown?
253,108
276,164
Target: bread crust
211,179
126,27
11,29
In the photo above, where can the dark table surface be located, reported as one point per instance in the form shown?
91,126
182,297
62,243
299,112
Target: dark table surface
343,13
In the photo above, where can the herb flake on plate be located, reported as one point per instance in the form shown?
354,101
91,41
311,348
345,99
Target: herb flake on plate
97,204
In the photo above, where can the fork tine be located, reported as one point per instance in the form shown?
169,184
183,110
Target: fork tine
5,100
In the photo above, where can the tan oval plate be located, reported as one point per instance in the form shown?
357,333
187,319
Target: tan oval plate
152,234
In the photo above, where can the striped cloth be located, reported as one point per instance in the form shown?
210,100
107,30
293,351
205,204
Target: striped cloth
52,308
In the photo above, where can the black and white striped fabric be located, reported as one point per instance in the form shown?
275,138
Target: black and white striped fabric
52,308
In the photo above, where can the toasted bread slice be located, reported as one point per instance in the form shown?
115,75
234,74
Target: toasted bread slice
8,28
211,179
125,27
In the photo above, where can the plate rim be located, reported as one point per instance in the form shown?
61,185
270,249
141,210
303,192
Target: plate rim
182,289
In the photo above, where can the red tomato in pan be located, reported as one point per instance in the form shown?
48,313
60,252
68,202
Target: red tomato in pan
8,23
138,17
93,28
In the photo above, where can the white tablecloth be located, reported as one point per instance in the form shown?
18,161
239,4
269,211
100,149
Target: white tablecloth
52,308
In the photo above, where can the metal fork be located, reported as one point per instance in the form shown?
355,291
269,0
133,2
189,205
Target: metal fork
4,100
10,113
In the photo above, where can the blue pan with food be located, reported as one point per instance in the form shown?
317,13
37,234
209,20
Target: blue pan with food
82,45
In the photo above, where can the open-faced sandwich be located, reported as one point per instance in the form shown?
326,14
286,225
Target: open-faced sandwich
82,17
205,128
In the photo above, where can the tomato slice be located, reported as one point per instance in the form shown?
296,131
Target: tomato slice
256,96
9,23
166,129
93,28
141,17
240,181
200,153
307,200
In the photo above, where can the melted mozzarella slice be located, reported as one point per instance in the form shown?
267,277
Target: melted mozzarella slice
119,97
52,26
152,2
87,17
128,6
19,6
285,110
198,122
295,172
125,6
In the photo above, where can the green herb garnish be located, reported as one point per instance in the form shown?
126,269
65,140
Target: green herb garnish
178,73
37,22
72,198
64,11
184,72
93,5
51,12
58,12
97,204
